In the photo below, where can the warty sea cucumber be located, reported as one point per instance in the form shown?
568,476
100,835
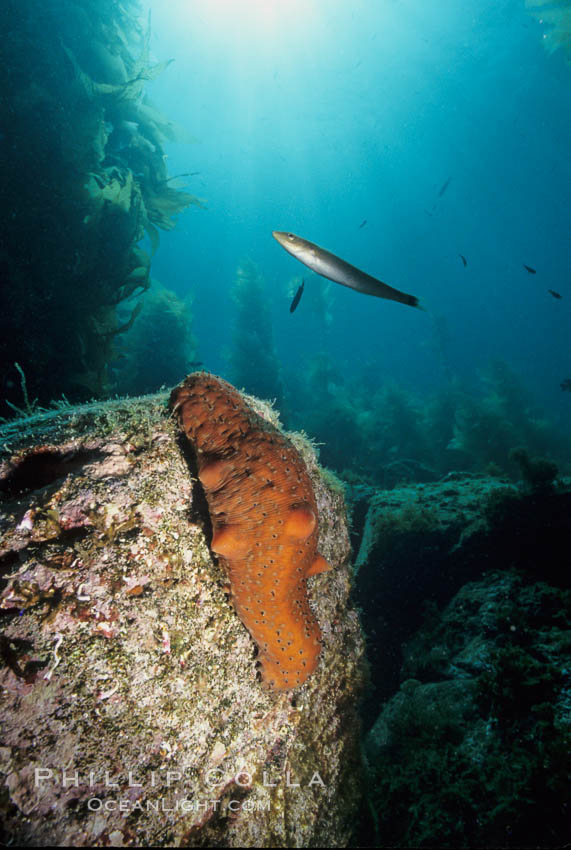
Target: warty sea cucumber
264,522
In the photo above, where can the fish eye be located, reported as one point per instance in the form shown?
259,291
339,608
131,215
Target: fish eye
290,236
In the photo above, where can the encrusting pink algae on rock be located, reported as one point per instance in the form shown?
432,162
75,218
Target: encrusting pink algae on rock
132,710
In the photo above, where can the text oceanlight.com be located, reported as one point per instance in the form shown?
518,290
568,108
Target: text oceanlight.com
103,783
96,804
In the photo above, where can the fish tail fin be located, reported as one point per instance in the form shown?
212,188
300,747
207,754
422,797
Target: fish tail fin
413,301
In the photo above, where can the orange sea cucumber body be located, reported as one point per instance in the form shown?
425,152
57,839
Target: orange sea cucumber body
264,522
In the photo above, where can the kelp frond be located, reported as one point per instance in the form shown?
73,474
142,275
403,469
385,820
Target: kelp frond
556,14
118,190
165,203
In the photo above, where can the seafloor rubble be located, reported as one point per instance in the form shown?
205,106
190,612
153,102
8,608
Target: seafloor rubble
132,711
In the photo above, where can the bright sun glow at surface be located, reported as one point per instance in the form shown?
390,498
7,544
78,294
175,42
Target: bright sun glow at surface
262,15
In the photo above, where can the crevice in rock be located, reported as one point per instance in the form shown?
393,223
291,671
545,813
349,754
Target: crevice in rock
42,467
199,507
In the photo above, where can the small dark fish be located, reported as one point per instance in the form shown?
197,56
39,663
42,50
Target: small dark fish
464,260
297,297
444,187
566,385
363,223
555,294
529,269
194,364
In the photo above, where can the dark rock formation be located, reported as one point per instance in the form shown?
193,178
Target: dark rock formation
474,748
465,591
421,543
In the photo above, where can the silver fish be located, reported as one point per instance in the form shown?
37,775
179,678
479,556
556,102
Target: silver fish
334,268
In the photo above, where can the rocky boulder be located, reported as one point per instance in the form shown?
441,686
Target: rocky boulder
132,711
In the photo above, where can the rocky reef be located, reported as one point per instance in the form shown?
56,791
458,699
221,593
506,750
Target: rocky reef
465,594
132,709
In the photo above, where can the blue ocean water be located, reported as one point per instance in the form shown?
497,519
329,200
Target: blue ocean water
315,116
